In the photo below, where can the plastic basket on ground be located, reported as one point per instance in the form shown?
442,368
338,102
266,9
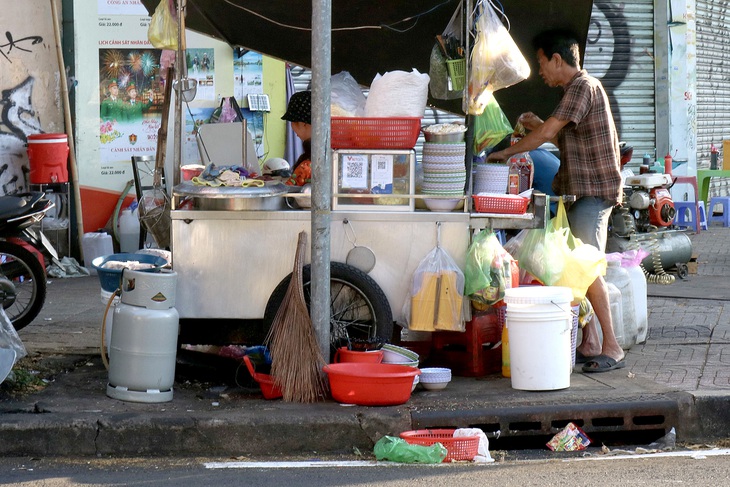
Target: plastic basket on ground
375,133
500,203
457,72
110,267
502,319
460,448
265,381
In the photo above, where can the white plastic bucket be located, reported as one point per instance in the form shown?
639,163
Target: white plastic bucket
539,323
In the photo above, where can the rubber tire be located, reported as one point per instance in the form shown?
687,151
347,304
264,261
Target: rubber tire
347,275
34,269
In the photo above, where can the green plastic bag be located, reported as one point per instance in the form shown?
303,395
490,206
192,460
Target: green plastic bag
490,127
488,270
399,450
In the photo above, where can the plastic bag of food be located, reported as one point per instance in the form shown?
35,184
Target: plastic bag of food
491,127
347,98
496,61
399,450
397,94
436,297
162,31
488,269
439,85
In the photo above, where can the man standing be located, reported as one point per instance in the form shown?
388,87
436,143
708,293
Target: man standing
111,106
582,127
134,109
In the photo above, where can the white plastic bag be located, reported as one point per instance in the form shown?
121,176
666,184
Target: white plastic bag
9,337
398,94
496,61
347,98
435,300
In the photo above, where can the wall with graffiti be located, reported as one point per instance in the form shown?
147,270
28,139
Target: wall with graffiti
30,98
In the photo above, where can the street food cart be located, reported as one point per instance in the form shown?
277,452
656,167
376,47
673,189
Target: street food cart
233,248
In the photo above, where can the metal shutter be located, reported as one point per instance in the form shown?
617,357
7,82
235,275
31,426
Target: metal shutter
620,52
713,81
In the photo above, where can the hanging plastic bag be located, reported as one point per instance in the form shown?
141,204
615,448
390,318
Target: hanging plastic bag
436,295
440,84
399,450
488,269
347,98
541,252
491,127
162,31
496,61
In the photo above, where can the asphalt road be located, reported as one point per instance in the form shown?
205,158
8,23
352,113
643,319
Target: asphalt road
692,468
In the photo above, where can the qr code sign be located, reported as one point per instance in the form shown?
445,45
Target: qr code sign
354,169
382,165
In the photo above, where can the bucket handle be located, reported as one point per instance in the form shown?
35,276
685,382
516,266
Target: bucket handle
571,312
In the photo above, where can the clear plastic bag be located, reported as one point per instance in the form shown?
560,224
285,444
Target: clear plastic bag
399,450
347,98
491,127
162,31
488,269
438,71
496,61
9,337
397,94
436,297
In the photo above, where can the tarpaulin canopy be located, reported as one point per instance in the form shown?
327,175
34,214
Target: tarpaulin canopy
374,37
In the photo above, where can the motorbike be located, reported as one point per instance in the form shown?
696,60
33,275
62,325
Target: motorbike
645,219
22,261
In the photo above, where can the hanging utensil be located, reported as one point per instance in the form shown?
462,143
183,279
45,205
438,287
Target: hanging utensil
360,257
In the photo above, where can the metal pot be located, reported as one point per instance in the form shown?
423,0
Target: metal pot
444,133
223,198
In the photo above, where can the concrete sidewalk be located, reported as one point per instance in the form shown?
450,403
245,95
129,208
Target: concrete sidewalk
679,377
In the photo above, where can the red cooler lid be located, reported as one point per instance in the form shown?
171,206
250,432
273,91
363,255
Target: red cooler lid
47,137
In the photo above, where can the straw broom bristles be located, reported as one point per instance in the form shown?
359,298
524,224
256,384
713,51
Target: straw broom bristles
297,360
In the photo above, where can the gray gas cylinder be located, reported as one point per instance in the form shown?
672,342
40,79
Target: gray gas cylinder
143,347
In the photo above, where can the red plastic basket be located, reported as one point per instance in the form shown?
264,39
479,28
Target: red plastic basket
265,381
459,448
375,133
511,204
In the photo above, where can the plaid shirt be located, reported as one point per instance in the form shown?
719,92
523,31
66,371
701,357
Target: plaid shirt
589,150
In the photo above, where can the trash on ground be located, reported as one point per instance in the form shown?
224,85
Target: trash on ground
571,438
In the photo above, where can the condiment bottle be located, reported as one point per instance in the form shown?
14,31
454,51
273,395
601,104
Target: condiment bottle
513,181
713,157
506,370
668,164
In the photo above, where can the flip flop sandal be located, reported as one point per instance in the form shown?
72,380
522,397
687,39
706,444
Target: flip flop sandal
602,363
581,359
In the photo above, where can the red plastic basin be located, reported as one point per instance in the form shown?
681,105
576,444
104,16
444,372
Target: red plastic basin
344,355
371,384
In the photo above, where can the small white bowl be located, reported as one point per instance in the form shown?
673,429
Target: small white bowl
435,375
435,204
396,354
415,383
434,386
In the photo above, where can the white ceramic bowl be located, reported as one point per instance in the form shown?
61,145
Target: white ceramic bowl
434,204
415,382
409,363
396,354
435,375
434,386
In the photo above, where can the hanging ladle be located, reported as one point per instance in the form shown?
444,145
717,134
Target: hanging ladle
359,257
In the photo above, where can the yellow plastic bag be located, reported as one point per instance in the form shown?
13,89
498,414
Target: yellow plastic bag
162,32
583,262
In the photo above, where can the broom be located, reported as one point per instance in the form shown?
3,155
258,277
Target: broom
296,357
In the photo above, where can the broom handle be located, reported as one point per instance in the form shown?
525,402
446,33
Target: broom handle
69,131
162,132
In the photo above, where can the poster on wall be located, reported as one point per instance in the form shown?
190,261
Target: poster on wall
201,68
247,73
121,7
131,94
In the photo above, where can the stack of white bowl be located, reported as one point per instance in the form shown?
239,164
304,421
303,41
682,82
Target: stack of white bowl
393,354
444,172
491,178
435,378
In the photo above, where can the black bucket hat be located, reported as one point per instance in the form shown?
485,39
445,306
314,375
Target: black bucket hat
300,108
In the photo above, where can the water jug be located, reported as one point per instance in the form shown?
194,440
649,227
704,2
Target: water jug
638,282
614,297
129,229
619,276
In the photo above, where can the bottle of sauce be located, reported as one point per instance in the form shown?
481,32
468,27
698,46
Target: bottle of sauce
506,371
713,157
668,164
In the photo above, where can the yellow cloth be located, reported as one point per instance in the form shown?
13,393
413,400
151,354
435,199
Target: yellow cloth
423,304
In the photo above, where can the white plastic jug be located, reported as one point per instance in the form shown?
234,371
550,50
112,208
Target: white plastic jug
619,277
638,283
129,230
614,297
96,244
